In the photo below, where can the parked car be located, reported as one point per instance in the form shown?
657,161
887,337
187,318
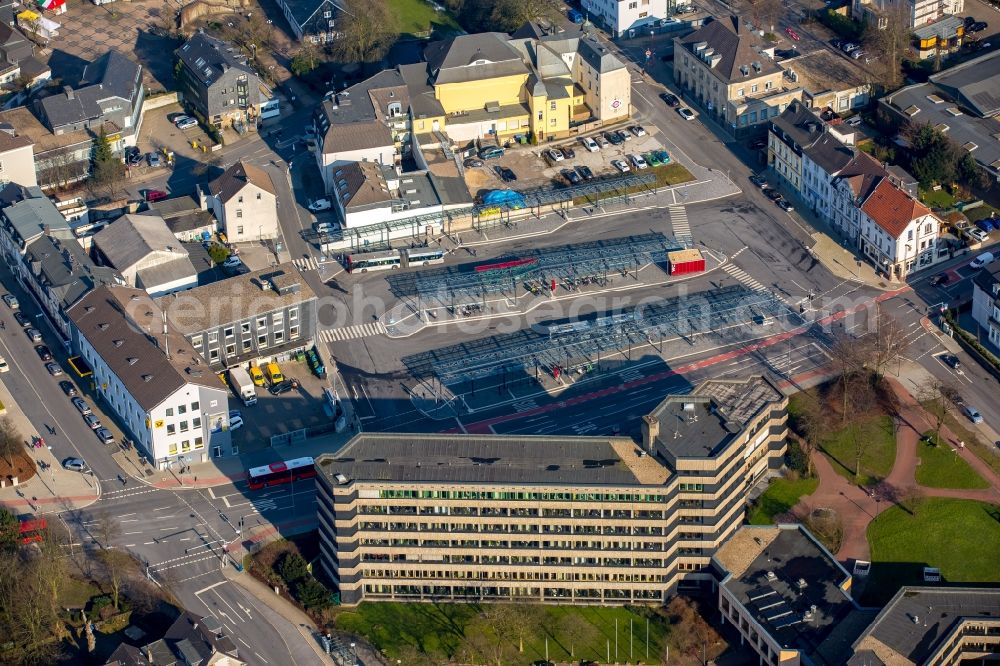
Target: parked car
773,195
847,47
236,423
34,334
939,279
281,387
43,352
554,155
3,365
969,20
133,156
585,172
74,464
185,122
256,376
985,224
857,55
759,181
670,99
972,413
154,159
92,421
21,319
613,138
620,165
590,144
791,33
105,435
785,205
638,162
324,228
68,388
623,135
567,152
638,130
977,235
81,405
232,261
505,174
978,26
571,176
575,16
686,113
155,195
11,301
54,369
491,153
320,204
472,162
602,141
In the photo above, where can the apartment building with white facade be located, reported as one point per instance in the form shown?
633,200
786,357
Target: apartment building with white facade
898,233
245,203
619,17
986,303
586,520
172,405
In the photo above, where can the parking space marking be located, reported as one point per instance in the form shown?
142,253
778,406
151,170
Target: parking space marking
352,332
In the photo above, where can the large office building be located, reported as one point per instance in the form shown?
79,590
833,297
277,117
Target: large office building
549,519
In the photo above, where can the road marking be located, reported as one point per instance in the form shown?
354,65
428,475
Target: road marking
679,222
743,277
161,508
131,533
206,589
352,332
306,263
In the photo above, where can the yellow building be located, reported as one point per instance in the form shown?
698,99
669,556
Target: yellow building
494,86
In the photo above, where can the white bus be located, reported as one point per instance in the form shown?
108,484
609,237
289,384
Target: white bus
423,256
373,261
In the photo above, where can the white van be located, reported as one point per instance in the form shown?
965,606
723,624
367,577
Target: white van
982,260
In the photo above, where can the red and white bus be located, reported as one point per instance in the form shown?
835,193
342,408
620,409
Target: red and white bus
284,471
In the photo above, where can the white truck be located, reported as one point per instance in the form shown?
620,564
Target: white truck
243,385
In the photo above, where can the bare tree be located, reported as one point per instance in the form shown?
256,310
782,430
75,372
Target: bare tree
887,39
764,13
691,632
368,30
862,396
117,567
11,439
932,396
827,526
108,529
886,342
849,356
814,424
574,632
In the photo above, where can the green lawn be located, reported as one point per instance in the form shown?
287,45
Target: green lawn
417,17
937,198
879,449
779,497
439,629
941,468
960,537
979,212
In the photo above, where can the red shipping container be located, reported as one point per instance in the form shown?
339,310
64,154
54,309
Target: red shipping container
683,262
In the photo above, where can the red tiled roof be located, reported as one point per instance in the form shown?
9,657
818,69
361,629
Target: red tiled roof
892,209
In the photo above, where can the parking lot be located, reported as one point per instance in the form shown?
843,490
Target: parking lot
158,132
533,169
277,414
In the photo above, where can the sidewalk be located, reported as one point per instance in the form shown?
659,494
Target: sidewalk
51,490
291,613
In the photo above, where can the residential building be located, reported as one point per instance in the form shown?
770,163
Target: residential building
170,402
60,159
898,233
109,99
216,81
790,600
491,88
850,187
916,12
43,254
368,122
626,17
962,102
829,81
244,202
312,20
730,72
943,36
187,220
17,158
589,520
191,640
788,136
251,319
986,303
367,193
787,596
146,254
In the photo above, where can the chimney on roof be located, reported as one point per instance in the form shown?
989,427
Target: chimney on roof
166,337
70,94
650,431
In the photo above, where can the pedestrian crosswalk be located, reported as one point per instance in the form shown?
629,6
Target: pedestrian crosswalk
679,222
743,277
306,263
352,332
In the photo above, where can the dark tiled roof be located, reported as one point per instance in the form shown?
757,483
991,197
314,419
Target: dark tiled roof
830,154
111,75
356,136
127,655
358,117
363,186
800,124
737,45
207,57
451,60
975,83
422,100
863,173
238,176
65,269
13,141
115,320
303,10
